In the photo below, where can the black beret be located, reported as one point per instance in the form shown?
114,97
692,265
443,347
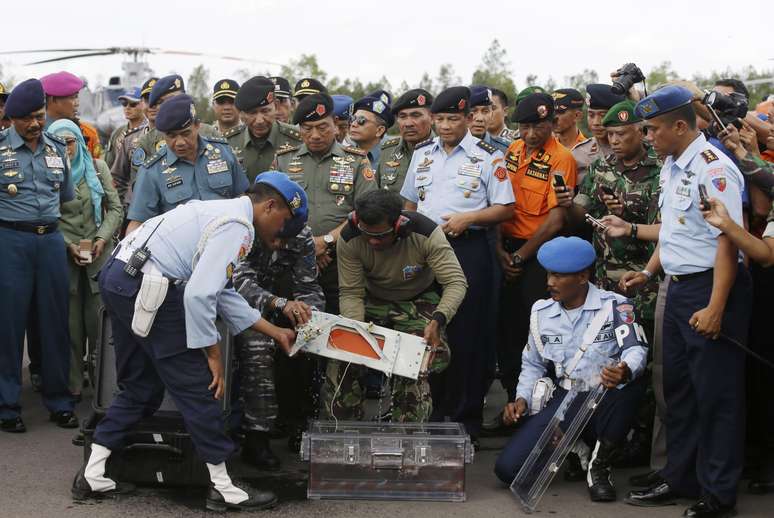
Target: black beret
26,97
308,86
255,92
313,107
452,100
176,114
225,88
382,95
166,84
417,98
480,95
566,98
601,97
534,108
376,106
281,87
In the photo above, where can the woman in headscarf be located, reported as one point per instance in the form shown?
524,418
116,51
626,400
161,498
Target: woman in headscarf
93,215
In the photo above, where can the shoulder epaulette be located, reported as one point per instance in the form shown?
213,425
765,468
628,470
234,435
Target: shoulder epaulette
390,143
424,143
234,131
286,149
709,156
56,138
486,146
541,304
219,140
291,131
155,158
579,144
354,150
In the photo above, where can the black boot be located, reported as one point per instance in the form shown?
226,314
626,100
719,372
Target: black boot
256,500
600,477
257,451
81,489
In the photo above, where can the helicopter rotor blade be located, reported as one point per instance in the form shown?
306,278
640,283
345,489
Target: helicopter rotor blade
76,56
51,50
227,58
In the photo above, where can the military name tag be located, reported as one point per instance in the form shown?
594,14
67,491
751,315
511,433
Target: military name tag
54,162
470,170
217,166
174,181
9,164
538,170
683,191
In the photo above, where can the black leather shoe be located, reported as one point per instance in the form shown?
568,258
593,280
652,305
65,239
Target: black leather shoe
256,500
600,476
655,496
82,490
708,508
649,479
761,486
15,425
79,440
64,419
257,451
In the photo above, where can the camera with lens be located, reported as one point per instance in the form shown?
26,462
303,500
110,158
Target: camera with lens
628,75
726,109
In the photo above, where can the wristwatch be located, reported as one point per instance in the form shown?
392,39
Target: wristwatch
279,303
516,259
329,241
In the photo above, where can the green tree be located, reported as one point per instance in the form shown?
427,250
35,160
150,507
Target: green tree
305,66
198,86
579,81
446,78
660,74
495,70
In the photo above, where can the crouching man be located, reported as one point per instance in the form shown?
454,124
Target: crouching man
391,263
558,336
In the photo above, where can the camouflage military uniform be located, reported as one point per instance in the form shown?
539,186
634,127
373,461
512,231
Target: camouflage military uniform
639,186
411,400
256,278
587,152
256,155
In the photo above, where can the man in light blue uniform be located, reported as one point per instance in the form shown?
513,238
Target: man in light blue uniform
575,330
34,181
189,167
481,117
460,183
707,306
168,339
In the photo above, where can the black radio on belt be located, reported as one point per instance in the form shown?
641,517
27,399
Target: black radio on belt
140,256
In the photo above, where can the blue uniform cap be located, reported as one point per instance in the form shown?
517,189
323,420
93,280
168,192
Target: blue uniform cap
342,106
294,194
176,114
25,98
480,95
376,106
662,101
132,95
566,255
166,84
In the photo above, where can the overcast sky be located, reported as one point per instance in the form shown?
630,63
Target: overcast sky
399,39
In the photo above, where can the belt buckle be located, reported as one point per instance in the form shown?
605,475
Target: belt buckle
676,278
40,230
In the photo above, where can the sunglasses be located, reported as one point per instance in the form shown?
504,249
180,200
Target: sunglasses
360,120
376,235
131,104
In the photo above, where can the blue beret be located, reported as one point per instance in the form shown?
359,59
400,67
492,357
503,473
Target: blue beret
566,255
601,96
662,101
176,114
342,106
166,84
294,194
382,95
376,106
480,96
25,98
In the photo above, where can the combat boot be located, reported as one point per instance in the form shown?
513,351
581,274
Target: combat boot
224,494
257,451
599,476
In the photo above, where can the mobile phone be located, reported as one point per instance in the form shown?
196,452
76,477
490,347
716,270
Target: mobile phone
705,204
595,223
559,181
607,190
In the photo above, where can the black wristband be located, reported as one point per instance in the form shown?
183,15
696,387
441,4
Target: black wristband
440,318
634,231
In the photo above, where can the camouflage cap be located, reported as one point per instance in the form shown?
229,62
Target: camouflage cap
621,114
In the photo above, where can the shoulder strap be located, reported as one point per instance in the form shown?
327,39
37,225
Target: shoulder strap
212,227
588,337
534,325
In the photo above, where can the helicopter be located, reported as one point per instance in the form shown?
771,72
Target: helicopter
101,106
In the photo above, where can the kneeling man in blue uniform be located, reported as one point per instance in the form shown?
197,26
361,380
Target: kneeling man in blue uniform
560,327
163,311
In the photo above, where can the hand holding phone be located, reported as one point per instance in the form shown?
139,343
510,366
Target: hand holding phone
705,204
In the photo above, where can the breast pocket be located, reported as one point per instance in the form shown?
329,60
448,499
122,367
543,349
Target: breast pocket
221,183
531,199
55,177
178,194
682,202
389,176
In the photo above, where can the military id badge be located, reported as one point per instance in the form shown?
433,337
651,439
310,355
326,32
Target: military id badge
217,166
54,162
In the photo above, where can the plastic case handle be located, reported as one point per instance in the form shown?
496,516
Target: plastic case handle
387,460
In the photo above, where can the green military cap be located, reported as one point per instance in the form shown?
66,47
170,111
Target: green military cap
621,114
528,91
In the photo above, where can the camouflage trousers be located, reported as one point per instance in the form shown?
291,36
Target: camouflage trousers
343,393
255,353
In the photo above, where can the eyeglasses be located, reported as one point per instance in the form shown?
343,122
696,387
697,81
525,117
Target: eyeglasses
376,235
131,104
360,120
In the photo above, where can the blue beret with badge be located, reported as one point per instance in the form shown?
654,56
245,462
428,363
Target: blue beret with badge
376,106
566,255
176,114
26,97
480,95
294,194
662,101
601,96
382,95
342,106
165,85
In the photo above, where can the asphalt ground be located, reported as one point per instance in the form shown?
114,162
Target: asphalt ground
37,468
